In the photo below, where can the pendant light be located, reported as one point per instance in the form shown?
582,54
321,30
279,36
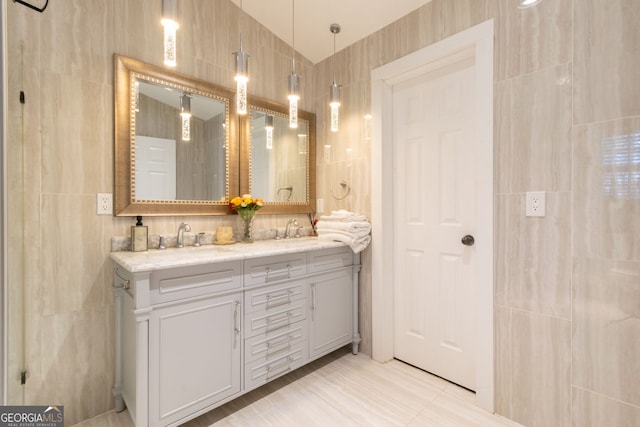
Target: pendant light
334,89
185,114
294,79
242,75
170,24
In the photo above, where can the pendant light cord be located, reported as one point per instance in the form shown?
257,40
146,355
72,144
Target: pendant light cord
293,34
333,58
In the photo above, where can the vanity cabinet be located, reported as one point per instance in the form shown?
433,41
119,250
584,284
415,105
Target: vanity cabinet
332,322
198,330
331,315
194,356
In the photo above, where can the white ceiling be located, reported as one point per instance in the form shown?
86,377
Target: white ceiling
358,19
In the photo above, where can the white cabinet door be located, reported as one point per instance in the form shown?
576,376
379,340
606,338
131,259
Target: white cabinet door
194,356
331,311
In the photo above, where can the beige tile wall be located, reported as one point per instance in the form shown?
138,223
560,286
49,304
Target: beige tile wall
566,285
567,314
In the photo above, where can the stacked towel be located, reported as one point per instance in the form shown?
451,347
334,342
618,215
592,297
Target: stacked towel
343,215
346,227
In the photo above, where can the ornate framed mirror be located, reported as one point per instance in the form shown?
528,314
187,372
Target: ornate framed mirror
278,162
176,143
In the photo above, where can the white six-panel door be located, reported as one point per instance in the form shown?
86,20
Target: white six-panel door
435,197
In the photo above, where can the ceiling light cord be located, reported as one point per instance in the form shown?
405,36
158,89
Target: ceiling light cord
241,10
333,58
293,35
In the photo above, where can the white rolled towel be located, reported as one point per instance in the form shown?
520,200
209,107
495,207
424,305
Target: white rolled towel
351,226
343,215
356,244
356,234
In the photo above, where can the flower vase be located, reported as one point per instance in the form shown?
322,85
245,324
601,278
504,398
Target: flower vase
247,221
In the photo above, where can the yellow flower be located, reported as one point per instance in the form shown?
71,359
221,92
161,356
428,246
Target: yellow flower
245,203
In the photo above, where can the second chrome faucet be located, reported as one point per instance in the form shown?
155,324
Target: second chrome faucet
287,231
181,230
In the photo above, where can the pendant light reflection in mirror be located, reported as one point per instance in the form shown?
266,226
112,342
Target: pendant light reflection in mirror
185,114
334,89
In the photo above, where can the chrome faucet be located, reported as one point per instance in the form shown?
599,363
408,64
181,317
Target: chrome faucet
287,233
181,230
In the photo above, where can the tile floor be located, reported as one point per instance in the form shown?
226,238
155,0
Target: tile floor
344,390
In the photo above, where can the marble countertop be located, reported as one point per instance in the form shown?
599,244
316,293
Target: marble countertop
154,259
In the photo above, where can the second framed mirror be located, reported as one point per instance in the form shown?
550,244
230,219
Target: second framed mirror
278,162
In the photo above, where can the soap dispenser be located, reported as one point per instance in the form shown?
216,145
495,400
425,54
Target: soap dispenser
139,236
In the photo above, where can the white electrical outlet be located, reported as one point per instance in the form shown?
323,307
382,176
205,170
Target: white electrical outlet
104,204
535,203
320,205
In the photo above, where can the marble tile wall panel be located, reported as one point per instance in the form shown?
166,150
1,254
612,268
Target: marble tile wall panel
594,410
75,267
199,21
458,15
606,213
606,60
534,374
401,37
533,271
606,327
77,39
77,141
142,38
502,362
533,38
533,131
79,363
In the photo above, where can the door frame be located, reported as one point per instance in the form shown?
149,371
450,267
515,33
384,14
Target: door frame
479,38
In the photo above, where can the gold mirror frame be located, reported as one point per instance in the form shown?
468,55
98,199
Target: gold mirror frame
125,69
245,158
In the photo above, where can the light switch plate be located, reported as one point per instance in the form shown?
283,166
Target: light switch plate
536,203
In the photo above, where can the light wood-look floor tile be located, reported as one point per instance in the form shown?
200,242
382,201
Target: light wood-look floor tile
345,390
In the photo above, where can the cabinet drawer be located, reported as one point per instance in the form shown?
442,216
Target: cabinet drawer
272,345
260,271
276,297
186,282
330,259
261,371
280,320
